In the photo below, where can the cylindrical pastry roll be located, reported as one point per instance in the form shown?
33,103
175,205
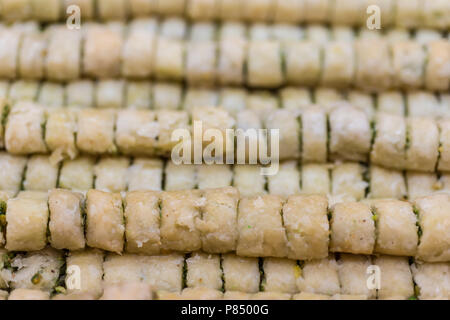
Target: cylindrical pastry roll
173,28
201,62
280,275
248,141
169,59
199,97
112,9
218,224
408,62
432,279
421,184
427,36
363,101
317,10
202,31
396,226
138,54
23,90
231,61
111,174
260,225
136,132
264,68
26,224
31,56
142,222
288,127
9,43
386,183
286,181
171,7
179,213
347,12
262,103
373,65
307,229
77,174
126,268
437,73
391,102
434,221
109,94
338,64
444,145
387,10
233,100
41,174
347,181
104,220
390,141
316,179
12,171
24,132
203,270
295,99
28,294
350,134
165,272
423,104
352,228
80,94
179,177
127,291
138,95
87,7
328,98
342,33
407,13
423,144
169,120
396,279
85,272
289,11
352,270
258,10
436,13
63,58
240,274
47,10
51,95
66,221
13,10
319,277
95,131
303,63
142,7
102,52
314,135
214,176
202,9
145,174
318,34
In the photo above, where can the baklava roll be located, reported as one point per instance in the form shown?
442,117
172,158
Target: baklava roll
180,211
202,9
31,56
319,277
23,90
350,134
303,63
28,294
102,52
142,222
136,132
169,59
143,8
373,65
63,58
264,67
12,173
46,10
421,184
66,220
203,271
125,268
408,62
10,41
314,135
363,101
138,95
307,228
170,120
386,183
286,181
408,13
434,221
422,149
210,176
109,94
396,224
201,62
390,141
13,10
435,14
352,270
260,225
423,104
24,131
104,220
127,291
262,103
87,7
432,280
167,96
80,94
338,64
41,174
249,180
179,177
348,181
352,228
145,174
391,102
444,145
279,276
316,179
328,98
295,99
437,71
218,223
318,34
231,61
95,131
77,174
240,274
171,7
346,12
26,220
165,272
258,10
427,36
174,28
111,174
112,9
395,278
87,265
289,11
288,127
387,11
199,97
51,95
317,10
